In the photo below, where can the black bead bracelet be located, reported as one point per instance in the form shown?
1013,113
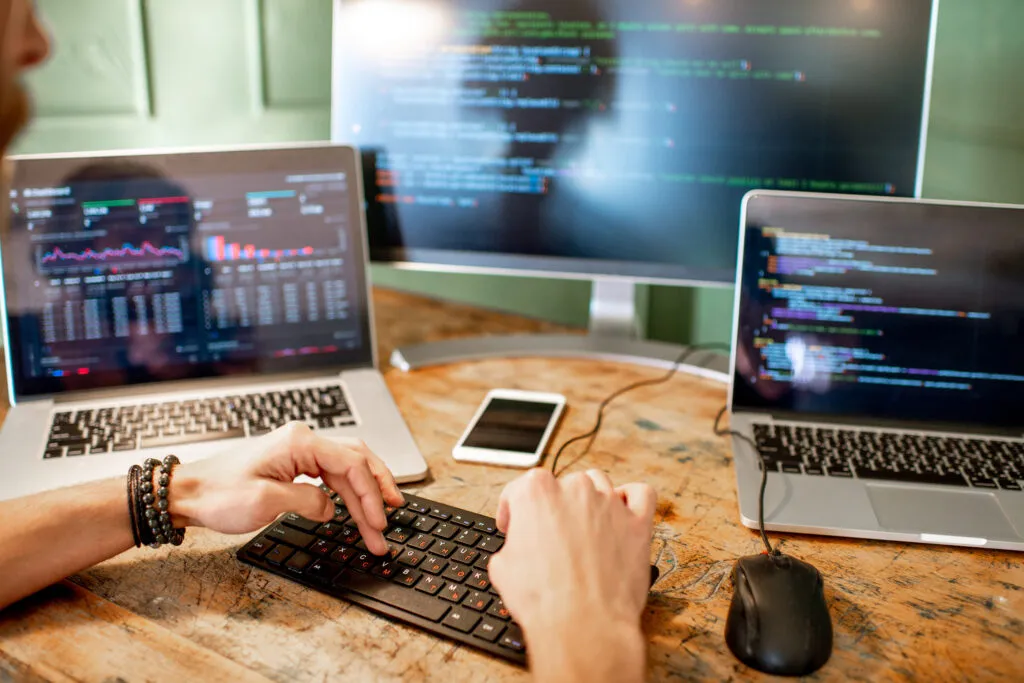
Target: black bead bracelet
149,504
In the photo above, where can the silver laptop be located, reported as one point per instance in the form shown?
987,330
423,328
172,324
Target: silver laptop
878,364
183,302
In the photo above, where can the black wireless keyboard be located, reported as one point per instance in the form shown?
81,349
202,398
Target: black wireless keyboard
434,576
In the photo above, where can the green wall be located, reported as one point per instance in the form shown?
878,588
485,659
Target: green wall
151,73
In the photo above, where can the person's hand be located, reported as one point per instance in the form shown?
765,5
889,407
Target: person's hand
251,485
575,572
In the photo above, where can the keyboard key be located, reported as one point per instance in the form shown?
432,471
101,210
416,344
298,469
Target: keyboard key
343,554
485,527
418,507
349,535
76,451
430,585
424,524
983,482
399,535
322,547
297,522
462,520
443,548
165,441
446,531
408,577
453,592
498,609
489,630
1009,485
477,601
298,562
468,537
329,530
386,569
393,594
479,580
323,571
404,518
490,544
483,561
456,572
433,565
283,534
513,639
411,557
259,547
465,556
278,554
461,620
421,541
362,562
440,514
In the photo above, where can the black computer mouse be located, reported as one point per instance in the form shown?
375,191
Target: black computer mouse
778,621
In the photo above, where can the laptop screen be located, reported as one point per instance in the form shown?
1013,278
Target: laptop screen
152,268
882,309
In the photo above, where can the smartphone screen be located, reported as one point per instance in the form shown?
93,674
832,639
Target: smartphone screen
510,425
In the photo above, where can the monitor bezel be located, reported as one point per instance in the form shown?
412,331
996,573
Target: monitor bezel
567,268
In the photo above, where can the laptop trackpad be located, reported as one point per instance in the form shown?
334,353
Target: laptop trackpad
950,513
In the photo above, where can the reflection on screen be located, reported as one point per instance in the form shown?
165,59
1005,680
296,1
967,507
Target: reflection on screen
508,425
618,129
902,312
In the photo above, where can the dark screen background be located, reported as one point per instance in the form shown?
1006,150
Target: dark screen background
619,131
939,347
508,425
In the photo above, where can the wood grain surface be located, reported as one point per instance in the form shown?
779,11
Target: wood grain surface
901,612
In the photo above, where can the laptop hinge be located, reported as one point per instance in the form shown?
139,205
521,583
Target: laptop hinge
225,384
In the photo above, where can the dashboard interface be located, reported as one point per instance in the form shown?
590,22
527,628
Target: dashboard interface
152,268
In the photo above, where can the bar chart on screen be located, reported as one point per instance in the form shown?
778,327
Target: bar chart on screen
219,250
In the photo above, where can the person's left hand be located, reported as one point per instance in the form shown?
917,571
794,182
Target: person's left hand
251,485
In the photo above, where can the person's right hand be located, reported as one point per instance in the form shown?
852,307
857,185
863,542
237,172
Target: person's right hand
575,572
252,484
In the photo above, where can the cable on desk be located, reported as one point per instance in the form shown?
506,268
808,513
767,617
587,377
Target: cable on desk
690,351
719,431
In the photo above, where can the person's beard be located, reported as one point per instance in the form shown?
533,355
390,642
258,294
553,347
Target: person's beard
14,114
14,110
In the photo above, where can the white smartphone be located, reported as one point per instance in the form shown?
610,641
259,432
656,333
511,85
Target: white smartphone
510,428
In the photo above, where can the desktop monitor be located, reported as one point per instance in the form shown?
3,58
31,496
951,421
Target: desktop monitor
615,139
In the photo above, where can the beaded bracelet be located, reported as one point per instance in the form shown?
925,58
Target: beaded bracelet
149,504
133,515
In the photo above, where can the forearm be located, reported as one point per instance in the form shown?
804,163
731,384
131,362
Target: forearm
586,651
50,536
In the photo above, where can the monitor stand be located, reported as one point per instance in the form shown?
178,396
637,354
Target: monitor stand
614,336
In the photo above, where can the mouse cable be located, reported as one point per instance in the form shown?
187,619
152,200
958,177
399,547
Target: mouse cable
719,431
683,357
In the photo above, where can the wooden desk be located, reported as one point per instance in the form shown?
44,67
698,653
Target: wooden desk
195,613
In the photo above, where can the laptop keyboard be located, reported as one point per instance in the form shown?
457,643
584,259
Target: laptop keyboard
434,576
150,425
979,463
